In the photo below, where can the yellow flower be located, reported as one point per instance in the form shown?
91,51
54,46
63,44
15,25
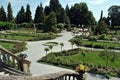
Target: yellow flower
81,67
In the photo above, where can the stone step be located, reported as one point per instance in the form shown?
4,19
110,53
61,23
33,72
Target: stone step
3,74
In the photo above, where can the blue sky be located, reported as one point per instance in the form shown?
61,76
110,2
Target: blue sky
94,5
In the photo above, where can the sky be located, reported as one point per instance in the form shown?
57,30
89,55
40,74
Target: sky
94,5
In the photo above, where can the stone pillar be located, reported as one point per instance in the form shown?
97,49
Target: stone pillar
26,67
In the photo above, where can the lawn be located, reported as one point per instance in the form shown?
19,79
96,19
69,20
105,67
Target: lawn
95,60
27,36
91,58
7,45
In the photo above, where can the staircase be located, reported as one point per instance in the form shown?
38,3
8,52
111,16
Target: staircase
11,64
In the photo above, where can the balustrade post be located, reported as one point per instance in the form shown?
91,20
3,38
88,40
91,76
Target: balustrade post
0,57
18,67
13,62
65,77
8,59
25,67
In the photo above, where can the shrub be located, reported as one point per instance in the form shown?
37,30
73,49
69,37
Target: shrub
104,37
93,38
6,25
18,47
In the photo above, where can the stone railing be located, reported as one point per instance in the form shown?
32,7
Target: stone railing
63,76
13,61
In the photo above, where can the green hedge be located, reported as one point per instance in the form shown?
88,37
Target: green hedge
6,25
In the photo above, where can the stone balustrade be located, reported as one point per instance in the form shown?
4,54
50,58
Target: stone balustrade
14,61
63,76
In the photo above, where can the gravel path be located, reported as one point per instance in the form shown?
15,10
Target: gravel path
36,51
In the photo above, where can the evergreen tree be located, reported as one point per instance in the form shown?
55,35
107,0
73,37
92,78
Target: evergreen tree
10,13
50,23
39,15
57,8
2,14
20,18
114,15
28,17
80,15
67,9
47,10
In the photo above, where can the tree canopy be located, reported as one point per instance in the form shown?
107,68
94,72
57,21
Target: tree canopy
2,14
39,14
50,23
80,15
28,17
114,15
10,17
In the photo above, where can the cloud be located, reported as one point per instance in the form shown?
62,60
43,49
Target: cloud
14,2
97,2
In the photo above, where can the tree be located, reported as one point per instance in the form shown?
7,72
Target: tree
67,9
20,18
28,17
39,15
47,10
50,23
9,13
80,15
101,28
46,49
72,41
57,8
61,44
113,15
2,14
51,46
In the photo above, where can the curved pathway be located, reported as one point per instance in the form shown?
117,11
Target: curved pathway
36,51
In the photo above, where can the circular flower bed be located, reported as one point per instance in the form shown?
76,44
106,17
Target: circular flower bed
50,44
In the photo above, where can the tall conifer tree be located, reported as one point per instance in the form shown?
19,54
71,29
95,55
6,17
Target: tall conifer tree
9,13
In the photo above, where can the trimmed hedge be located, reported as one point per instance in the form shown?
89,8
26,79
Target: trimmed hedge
6,25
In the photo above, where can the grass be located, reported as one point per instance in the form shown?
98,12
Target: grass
7,45
91,57
27,36
22,38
